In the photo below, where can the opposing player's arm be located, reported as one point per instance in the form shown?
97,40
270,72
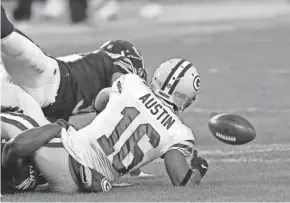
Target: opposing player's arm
116,76
102,99
26,143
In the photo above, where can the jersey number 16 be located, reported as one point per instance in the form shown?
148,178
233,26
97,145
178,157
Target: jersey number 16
131,145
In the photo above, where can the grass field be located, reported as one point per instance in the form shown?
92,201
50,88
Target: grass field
244,68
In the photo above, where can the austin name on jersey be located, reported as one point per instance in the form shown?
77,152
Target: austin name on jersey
157,110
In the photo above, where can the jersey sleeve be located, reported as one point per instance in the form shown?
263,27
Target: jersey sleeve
127,81
184,143
185,147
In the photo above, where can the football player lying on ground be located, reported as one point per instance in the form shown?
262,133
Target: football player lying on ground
12,123
137,124
58,168
67,85
13,95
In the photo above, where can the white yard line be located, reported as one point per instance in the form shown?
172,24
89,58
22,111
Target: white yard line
248,150
250,160
241,110
276,71
252,149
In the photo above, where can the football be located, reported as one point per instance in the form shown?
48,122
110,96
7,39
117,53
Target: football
232,129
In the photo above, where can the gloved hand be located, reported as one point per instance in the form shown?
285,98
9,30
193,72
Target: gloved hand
30,183
199,163
140,174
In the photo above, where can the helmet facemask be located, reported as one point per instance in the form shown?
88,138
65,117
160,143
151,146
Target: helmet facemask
182,102
179,102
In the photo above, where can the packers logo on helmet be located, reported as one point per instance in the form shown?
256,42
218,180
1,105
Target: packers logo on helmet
196,83
106,185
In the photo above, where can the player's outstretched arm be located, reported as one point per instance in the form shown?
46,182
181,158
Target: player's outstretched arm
179,171
26,143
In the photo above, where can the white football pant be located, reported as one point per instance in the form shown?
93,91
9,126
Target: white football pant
30,68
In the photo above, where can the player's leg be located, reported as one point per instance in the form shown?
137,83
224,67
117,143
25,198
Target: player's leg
63,173
57,167
27,65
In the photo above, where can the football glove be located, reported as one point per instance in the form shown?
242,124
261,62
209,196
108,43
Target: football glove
199,163
30,183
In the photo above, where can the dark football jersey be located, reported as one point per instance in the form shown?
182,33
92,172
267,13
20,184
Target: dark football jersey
83,76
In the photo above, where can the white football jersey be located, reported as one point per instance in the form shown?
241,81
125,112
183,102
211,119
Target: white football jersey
51,160
134,129
12,124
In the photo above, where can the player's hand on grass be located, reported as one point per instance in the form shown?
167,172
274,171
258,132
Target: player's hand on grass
199,163
140,174
145,175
